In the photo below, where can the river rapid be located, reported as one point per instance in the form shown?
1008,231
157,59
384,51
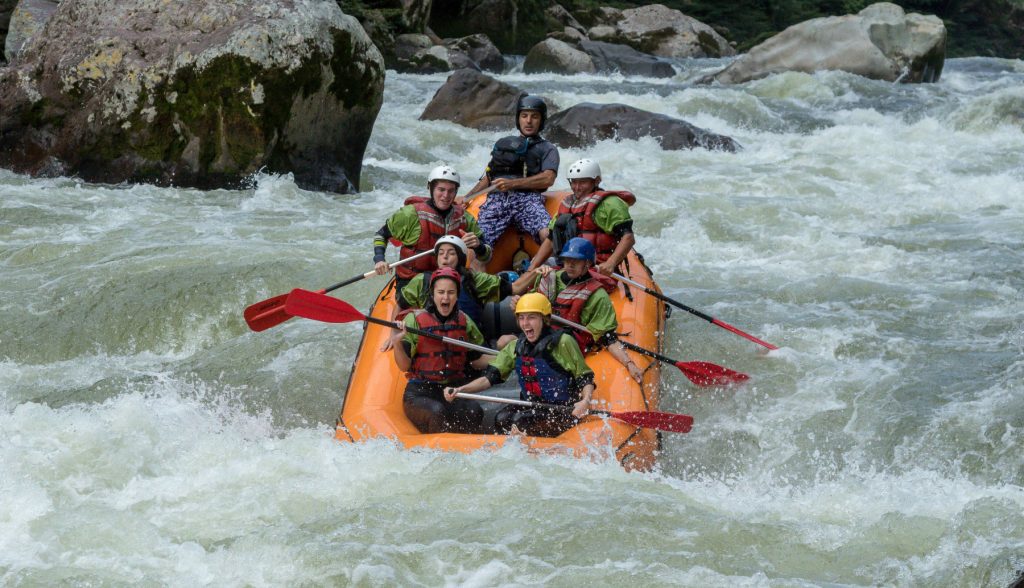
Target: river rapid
875,232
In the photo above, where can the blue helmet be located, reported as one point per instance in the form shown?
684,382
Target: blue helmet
579,248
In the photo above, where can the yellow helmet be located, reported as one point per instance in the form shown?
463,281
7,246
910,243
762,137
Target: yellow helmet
534,302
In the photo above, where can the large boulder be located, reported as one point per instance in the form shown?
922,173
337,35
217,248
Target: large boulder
477,101
552,55
201,93
661,31
585,124
24,20
881,42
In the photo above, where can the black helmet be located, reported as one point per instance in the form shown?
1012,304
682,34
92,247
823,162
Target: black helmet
527,102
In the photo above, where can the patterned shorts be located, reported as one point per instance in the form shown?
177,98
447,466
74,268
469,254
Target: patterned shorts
525,209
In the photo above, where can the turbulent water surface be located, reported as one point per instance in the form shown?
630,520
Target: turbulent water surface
875,232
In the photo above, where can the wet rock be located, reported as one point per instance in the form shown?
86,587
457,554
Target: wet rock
568,35
881,42
585,124
477,101
408,45
201,93
661,31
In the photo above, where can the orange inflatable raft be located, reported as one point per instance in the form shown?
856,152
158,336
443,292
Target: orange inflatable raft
372,406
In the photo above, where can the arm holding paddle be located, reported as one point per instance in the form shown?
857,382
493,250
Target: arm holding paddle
402,357
271,312
619,352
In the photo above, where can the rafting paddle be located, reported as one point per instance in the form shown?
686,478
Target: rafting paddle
694,311
662,421
701,373
270,312
320,307
466,201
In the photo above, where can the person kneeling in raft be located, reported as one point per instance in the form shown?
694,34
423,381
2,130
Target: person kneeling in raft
430,365
550,368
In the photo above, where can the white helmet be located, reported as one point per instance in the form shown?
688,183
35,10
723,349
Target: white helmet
444,172
584,168
452,240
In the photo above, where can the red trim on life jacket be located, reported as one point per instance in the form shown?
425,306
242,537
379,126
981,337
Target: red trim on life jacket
569,303
437,361
583,211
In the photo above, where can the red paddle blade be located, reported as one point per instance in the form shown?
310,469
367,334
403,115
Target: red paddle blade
267,313
703,373
662,421
320,307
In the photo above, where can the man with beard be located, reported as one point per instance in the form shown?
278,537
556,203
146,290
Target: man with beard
521,168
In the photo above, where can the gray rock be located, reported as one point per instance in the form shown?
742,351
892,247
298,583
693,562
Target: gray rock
663,31
410,44
201,93
433,59
552,55
479,50
478,101
25,20
881,42
558,14
584,124
609,57
569,35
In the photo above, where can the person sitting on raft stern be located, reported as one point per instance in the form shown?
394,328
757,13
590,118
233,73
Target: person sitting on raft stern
550,369
521,168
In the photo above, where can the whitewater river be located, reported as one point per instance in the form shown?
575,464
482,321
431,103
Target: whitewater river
874,232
